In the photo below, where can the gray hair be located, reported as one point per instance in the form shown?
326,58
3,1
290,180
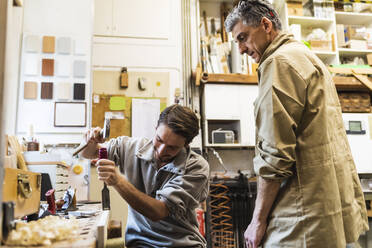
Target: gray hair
251,13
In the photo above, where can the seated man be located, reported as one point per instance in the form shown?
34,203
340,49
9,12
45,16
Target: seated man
164,180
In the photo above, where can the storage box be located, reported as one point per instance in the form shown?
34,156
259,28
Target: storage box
357,44
355,102
295,8
340,29
321,45
22,188
369,58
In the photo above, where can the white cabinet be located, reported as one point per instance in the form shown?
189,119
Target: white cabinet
229,107
134,19
103,17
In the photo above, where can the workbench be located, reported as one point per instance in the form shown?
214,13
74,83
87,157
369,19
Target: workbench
92,228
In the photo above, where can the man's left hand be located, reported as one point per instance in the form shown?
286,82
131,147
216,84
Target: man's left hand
107,171
254,233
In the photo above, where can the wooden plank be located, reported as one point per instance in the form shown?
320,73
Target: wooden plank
364,80
230,78
101,234
348,83
350,70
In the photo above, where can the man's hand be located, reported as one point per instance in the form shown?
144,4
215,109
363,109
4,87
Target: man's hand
108,172
254,234
93,136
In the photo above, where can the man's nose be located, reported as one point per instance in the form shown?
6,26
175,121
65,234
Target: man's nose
242,48
162,149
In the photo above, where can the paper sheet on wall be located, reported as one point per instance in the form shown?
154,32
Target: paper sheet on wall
145,114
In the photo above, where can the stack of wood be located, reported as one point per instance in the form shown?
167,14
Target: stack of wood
14,154
354,88
355,102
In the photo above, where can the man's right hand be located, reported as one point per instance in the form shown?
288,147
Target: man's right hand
93,136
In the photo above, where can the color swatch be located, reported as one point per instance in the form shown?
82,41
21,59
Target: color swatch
64,45
79,68
32,44
63,91
46,90
30,90
79,91
47,67
49,44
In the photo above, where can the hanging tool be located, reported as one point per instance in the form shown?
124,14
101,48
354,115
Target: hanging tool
102,154
124,78
104,133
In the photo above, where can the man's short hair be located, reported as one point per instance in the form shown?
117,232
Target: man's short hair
181,120
250,12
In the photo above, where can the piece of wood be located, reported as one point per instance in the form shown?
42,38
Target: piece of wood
101,234
230,78
205,23
198,73
348,83
350,70
17,150
364,80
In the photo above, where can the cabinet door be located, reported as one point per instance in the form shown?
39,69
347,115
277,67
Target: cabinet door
221,102
103,17
247,96
142,18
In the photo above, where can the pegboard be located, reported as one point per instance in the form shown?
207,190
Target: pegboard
118,127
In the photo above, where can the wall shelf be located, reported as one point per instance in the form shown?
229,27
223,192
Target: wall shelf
353,18
229,78
353,52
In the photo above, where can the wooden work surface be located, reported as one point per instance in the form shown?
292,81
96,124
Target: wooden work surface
93,230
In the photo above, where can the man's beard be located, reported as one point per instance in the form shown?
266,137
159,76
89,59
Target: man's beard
167,159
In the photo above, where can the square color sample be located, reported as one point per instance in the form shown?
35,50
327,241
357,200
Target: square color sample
31,64
63,91
80,48
79,68
46,91
30,90
64,45
49,44
47,67
79,91
32,44
63,66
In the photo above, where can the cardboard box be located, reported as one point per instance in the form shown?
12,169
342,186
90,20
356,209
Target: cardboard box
357,44
295,8
369,58
321,45
340,29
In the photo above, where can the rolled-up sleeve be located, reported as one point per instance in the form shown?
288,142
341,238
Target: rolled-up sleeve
183,193
278,112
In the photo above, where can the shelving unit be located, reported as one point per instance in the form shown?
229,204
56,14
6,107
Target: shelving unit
331,56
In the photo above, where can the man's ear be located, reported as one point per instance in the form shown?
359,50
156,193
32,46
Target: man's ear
267,24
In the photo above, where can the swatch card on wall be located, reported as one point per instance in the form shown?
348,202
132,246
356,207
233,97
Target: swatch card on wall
54,68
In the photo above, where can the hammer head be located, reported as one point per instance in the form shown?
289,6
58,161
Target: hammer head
106,129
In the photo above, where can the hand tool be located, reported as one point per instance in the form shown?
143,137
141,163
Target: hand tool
102,154
104,133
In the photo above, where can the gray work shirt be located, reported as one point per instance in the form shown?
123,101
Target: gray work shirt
181,184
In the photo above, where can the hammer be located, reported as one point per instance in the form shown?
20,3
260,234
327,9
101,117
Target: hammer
104,133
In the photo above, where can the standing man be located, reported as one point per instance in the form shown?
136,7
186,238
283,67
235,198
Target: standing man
163,182
309,193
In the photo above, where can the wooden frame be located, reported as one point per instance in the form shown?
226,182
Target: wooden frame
64,111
